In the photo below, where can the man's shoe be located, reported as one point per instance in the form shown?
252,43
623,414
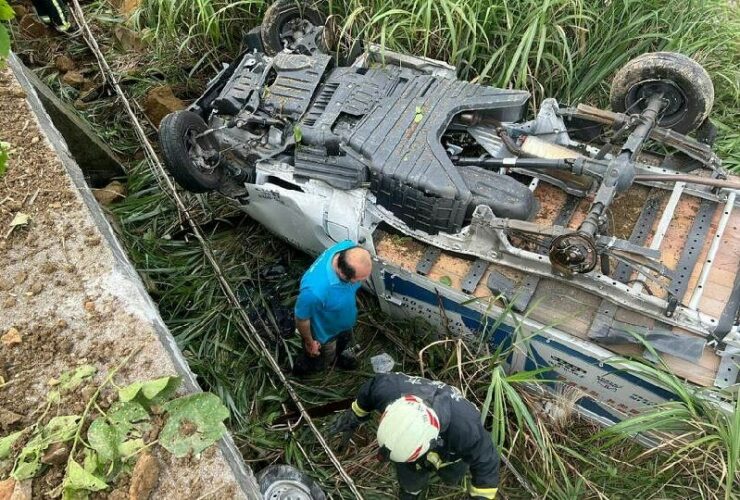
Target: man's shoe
347,361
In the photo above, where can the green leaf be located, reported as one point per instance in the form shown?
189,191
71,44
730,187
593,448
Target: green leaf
104,439
445,280
58,430
6,11
4,153
152,390
109,435
194,423
419,115
7,442
130,447
78,478
72,379
4,42
297,133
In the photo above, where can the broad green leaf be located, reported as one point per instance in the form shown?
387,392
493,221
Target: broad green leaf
91,461
109,435
104,439
78,478
130,447
6,443
27,469
297,133
152,390
4,42
124,416
6,11
194,423
60,429
445,280
419,115
72,379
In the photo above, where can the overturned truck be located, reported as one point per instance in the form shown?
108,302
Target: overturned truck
582,230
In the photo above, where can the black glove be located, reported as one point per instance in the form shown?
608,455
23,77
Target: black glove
345,424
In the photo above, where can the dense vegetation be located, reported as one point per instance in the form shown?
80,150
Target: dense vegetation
563,48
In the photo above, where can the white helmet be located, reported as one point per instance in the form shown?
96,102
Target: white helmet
407,429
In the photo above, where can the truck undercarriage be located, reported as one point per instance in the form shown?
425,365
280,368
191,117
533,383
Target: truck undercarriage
618,211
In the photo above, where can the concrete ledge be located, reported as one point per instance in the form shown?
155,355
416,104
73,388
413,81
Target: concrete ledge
68,287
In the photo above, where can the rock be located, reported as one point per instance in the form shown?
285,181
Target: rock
8,418
20,10
31,27
11,337
128,40
111,193
144,477
56,454
159,102
127,7
23,490
6,488
73,79
64,63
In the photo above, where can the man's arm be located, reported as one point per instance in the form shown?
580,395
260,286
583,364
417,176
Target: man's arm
304,329
305,306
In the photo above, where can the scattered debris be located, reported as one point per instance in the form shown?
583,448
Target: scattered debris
64,63
127,7
8,418
382,363
113,192
128,40
56,454
31,27
11,337
74,79
161,101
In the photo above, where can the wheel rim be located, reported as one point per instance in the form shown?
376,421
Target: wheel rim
288,489
675,98
196,153
294,29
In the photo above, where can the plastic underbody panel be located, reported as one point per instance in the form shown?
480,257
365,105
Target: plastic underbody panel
384,126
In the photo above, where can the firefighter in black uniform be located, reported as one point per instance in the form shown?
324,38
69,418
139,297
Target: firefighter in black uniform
426,426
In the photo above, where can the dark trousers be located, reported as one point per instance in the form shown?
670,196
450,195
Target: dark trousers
55,10
413,478
330,352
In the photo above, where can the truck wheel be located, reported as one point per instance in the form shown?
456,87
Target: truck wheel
682,81
193,162
283,482
283,18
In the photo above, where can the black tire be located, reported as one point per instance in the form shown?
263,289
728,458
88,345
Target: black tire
683,81
175,138
279,13
271,474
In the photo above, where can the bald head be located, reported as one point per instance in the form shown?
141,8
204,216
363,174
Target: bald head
354,264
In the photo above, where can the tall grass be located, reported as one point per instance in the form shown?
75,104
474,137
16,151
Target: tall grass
568,49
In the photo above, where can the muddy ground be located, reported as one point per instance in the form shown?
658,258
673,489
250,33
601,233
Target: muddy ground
64,303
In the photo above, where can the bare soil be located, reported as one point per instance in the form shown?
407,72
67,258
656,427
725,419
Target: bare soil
64,302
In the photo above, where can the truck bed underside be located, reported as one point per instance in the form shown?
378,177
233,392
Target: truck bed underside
635,216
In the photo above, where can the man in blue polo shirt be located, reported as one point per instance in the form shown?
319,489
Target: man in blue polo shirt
326,308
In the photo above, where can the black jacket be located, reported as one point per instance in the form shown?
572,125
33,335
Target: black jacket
461,432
